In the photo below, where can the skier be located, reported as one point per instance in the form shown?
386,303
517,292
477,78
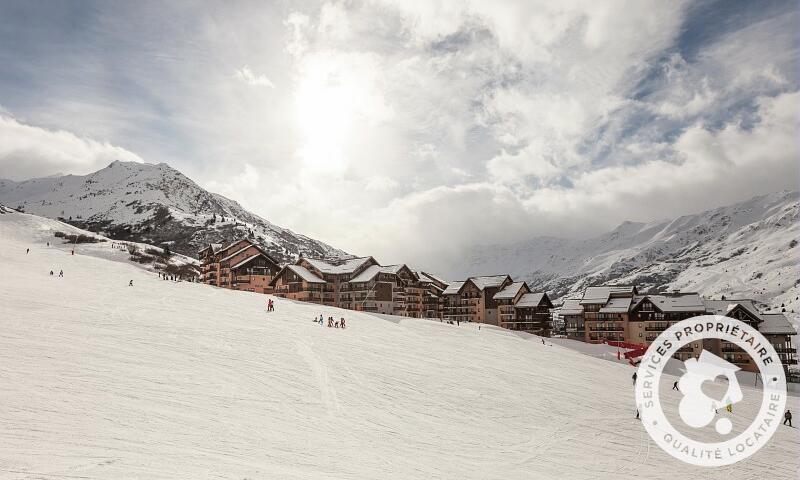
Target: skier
787,417
458,322
130,284
637,413
634,378
61,273
51,273
675,386
330,322
729,408
73,252
27,251
543,341
320,319
342,322
336,324
48,244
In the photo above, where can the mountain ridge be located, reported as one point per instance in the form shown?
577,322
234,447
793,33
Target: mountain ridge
715,251
155,203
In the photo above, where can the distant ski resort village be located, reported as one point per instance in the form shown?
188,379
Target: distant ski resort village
616,315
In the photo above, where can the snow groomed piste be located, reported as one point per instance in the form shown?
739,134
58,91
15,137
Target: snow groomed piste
180,380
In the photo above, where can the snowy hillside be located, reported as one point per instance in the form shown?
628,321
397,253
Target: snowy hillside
747,249
154,204
181,380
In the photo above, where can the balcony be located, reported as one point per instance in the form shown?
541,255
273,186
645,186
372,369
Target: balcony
606,329
786,350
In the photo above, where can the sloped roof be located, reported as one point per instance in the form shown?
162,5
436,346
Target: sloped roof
684,302
510,291
453,288
571,306
432,278
617,305
305,274
370,272
249,245
776,324
237,252
215,247
603,293
723,307
348,266
247,260
488,281
530,300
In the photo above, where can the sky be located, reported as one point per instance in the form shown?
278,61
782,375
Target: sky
411,130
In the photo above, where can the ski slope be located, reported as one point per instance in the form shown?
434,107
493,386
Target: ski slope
168,380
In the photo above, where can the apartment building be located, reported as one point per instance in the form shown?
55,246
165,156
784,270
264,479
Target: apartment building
605,312
382,289
774,326
532,314
619,313
571,315
652,314
362,284
296,282
318,281
432,290
241,265
473,299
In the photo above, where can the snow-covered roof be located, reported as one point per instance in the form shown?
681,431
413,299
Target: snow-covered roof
488,281
571,306
370,272
723,307
530,300
348,266
683,302
602,294
510,291
453,288
305,274
432,278
776,324
617,305
247,260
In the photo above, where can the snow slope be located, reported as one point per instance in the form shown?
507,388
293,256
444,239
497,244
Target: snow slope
155,204
747,249
171,380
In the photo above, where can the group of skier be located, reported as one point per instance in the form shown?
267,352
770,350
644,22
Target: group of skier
787,417
331,322
174,278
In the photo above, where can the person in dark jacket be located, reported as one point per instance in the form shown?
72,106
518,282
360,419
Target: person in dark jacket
634,378
787,417
675,386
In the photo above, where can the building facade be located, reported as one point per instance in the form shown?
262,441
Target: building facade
620,314
241,265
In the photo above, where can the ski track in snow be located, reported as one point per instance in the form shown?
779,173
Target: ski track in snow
162,380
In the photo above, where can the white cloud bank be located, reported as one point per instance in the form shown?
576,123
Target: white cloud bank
412,129
27,151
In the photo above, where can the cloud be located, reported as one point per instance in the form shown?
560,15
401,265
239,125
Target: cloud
247,76
27,151
413,129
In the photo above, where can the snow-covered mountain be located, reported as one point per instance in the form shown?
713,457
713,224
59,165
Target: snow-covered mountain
155,204
749,248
